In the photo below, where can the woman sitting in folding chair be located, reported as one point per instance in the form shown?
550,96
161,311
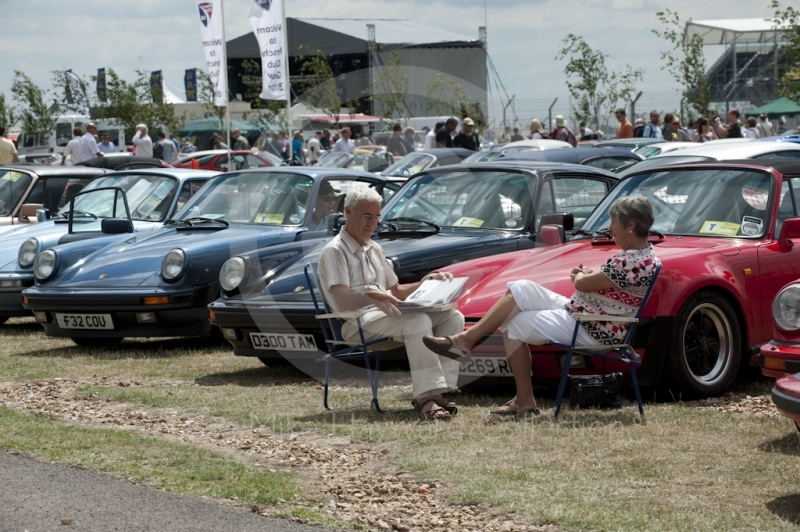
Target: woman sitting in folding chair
529,314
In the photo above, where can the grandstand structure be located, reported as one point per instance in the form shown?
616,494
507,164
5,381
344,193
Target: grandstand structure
748,72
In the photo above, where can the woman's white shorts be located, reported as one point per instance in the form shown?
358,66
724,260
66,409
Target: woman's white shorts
542,317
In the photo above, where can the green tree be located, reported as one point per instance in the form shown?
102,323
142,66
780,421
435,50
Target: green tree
788,21
685,61
589,81
205,95
77,87
7,115
130,104
37,117
318,86
445,96
390,89
269,113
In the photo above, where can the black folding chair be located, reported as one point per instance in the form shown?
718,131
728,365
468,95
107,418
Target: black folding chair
340,350
621,352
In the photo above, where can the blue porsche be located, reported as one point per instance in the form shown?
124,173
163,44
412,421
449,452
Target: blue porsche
159,283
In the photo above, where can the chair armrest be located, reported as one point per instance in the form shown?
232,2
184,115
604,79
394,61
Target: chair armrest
345,314
602,317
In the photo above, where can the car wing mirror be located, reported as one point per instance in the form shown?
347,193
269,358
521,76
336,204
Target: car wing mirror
42,214
790,230
28,211
564,219
116,226
335,223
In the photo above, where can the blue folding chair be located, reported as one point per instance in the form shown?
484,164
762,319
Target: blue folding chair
339,349
621,352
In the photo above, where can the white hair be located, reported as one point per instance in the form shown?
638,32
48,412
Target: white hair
361,193
143,126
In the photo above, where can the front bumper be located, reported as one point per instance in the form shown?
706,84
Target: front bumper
777,359
786,396
238,319
11,287
184,314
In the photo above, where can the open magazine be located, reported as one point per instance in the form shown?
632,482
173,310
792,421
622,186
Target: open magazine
433,292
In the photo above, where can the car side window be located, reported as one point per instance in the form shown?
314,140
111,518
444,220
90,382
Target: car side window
60,191
546,203
790,195
610,163
579,196
793,154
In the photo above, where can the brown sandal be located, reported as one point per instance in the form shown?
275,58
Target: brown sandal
450,406
515,410
449,348
436,412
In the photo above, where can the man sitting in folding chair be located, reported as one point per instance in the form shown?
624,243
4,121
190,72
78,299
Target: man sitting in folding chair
529,314
354,274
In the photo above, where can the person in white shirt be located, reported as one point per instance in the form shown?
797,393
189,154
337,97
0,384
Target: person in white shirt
106,146
88,147
314,148
71,151
343,145
143,142
430,138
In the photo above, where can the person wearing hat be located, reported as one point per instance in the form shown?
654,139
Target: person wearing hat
563,133
467,138
537,131
326,199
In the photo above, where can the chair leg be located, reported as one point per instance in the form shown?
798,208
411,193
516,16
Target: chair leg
373,376
562,384
327,383
635,383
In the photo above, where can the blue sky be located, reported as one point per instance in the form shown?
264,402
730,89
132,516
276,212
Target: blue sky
523,36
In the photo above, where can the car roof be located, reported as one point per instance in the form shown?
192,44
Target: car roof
574,155
44,170
784,165
734,150
441,152
531,166
317,172
215,152
180,173
537,143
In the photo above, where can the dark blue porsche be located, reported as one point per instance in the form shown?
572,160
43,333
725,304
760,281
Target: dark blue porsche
159,284
441,216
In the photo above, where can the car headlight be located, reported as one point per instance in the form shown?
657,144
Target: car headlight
786,308
27,252
232,273
173,265
45,264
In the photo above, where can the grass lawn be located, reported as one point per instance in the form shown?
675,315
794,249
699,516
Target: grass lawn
684,469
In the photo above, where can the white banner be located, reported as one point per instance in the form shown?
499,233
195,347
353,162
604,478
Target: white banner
269,25
212,30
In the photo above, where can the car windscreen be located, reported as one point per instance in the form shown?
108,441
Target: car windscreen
410,165
271,198
149,197
702,201
12,188
336,160
484,155
491,199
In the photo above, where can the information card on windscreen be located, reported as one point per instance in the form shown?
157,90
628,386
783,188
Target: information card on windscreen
434,292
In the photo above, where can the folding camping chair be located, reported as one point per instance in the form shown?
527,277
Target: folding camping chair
338,349
621,352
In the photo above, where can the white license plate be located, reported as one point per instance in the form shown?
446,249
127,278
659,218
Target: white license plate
283,342
84,321
488,366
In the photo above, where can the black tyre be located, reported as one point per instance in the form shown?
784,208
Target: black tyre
3,319
704,347
97,342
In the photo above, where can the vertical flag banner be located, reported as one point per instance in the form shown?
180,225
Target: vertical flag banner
156,86
102,95
76,94
190,83
213,33
266,17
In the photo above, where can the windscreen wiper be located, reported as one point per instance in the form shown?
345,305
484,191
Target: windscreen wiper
196,221
82,213
417,220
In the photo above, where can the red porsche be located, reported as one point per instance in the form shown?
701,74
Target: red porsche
724,233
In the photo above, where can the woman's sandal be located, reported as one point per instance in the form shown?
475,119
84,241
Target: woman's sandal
450,406
515,410
436,412
448,348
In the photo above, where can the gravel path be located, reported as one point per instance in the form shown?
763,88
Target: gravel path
38,496
350,489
